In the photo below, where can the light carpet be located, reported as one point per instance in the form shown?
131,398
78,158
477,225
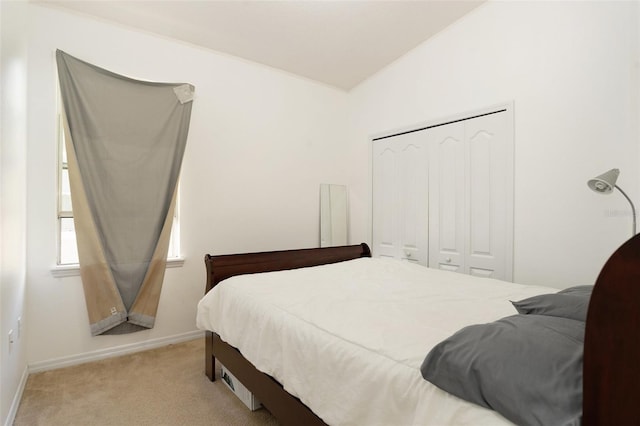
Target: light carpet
164,386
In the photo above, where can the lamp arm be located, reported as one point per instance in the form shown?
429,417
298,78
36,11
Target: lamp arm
633,209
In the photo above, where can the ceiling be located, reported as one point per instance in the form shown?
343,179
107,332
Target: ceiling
337,42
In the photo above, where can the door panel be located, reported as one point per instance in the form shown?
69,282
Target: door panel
446,197
482,273
384,201
480,188
412,171
400,198
488,200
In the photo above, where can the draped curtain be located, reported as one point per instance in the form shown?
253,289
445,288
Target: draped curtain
125,140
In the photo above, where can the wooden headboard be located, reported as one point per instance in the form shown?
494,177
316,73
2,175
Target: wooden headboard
227,265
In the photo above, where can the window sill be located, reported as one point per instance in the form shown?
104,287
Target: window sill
73,270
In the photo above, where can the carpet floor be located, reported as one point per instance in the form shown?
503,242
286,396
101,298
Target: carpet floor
164,386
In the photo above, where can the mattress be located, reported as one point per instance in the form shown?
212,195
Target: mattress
348,338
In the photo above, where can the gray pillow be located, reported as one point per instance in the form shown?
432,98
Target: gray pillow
571,303
526,367
579,289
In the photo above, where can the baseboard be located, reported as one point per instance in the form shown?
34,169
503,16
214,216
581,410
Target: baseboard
13,410
112,352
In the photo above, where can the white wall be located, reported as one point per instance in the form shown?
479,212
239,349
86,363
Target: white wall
260,143
571,69
13,185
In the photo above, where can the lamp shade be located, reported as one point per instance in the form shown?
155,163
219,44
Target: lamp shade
604,183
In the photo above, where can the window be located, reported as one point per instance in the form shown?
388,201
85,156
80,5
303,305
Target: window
67,248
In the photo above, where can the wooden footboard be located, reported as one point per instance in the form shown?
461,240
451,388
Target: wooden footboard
288,409
611,379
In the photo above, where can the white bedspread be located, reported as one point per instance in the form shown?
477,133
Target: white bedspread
348,339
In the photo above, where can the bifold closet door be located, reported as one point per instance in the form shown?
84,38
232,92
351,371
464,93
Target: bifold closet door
447,199
400,197
471,196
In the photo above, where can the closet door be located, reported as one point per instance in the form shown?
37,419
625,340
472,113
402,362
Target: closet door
447,224
471,197
490,196
400,197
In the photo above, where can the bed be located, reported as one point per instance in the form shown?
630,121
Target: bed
610,370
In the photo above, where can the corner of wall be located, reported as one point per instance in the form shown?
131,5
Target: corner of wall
13,172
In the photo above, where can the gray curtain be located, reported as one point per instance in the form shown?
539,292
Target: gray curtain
125,140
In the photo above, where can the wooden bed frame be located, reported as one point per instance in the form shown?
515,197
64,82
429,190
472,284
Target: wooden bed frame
611,371
285,407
